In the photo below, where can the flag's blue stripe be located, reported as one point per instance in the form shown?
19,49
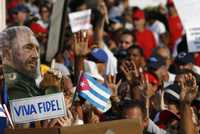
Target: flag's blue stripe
98,84
1,109
94,103
101,97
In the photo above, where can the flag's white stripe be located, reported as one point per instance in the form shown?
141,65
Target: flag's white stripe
2,114
98,90
94,98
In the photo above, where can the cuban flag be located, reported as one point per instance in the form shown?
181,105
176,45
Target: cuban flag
2,112
94,92
3,120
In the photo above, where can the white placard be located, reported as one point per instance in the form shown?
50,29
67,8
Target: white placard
188,11
2,15
80,20
146,3
38,108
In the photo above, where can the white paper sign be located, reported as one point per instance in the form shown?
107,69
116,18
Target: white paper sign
38,108
2,15
80,20
145,3
188,11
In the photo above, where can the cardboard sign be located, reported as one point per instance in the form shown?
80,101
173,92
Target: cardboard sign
38,108
111,127
80,20
188,11
146,3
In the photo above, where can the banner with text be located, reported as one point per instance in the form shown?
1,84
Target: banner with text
190,17
80,20
38,108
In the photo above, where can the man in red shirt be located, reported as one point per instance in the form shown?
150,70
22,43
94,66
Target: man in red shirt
144,38
174,24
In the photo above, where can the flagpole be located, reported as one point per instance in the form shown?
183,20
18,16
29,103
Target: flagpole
8,115
74,97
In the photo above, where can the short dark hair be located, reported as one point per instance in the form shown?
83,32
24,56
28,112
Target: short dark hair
44,6
129,104
74,4
127,32
138,48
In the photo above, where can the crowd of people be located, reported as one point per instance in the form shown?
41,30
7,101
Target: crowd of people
141,55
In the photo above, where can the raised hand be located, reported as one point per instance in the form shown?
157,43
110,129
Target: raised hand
66,121
189,88
130,71
81,43
103,9
51,79
113,85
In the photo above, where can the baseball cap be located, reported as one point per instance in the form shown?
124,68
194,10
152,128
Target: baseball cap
37,28
98,55
172,93
155,62
138,14
184,58
165,117
21,8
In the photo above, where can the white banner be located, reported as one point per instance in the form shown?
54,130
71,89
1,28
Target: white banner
2,14
80,20
190,17
146,3
38,108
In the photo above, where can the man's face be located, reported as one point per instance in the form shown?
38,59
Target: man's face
165,54
134,55
21,16
162,72
126,41
139,24
26,55
136,113
45,13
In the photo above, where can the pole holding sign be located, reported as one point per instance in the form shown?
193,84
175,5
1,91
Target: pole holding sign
38,108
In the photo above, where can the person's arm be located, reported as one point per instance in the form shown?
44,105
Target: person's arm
187,125
99,28
188,93
153,128
80,51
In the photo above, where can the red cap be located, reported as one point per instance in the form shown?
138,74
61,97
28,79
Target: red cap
138,14
166,117
37,28
151,78
170,3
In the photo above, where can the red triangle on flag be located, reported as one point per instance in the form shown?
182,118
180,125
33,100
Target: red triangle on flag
83,83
